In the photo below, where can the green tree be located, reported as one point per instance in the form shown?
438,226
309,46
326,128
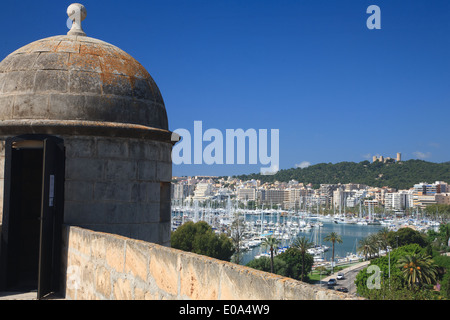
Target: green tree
383,236
365,246
200,238
417,269
386,268
294,265
333,237
265,264
272,244
405,236
302,244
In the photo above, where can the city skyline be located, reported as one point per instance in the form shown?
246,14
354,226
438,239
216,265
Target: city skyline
336,90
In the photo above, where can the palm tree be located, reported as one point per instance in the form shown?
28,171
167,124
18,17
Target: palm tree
375,243
302,244
383,237
417,269
272,243
333,237
365,247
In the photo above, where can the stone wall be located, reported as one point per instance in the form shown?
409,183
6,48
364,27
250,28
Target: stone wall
112,267
119,185
2,176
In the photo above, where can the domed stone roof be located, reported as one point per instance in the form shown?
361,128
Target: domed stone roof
78,80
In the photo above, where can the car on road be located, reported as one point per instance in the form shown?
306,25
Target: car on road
342,289
332,282
340,276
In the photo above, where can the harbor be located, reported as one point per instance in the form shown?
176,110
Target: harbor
254,226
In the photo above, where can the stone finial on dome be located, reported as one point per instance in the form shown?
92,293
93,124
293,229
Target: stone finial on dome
77,13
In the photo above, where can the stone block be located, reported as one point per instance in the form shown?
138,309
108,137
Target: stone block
143,294
85,62
137,259
103,281
147,170
79,240
65,106
112,148
26,105
6,107
164,229
115,252
98,247
120,212
85,82
164,171
122,290
21,62
139,192
120,170
153,192
117,85
83,213
19,81
51,81
152,150
79,190
149,212
199,277
112,191
141,90
164,270
84,169
238,283
52,61
149,232
80,147
68,46
136,148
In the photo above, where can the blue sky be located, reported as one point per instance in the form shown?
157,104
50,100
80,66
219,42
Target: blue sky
336,90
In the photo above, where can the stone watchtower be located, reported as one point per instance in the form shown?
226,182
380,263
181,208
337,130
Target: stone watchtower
84,141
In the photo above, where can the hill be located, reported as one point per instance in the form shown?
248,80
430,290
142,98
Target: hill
401,175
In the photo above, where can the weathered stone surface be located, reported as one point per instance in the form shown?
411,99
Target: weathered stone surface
133,269
122,290
163,270
51,81
102,75
137,259
115,253
147,170
103,281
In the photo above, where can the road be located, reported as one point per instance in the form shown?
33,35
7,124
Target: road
349,277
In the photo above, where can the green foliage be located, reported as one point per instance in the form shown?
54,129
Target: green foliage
264,264
438,210
293,258
405,236
383,264
418,269
200,238
397,288
401,175
443,263
439,240
287,264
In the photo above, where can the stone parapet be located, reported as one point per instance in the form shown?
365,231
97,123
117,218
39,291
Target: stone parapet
111,267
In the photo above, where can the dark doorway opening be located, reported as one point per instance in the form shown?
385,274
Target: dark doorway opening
32,214
26,192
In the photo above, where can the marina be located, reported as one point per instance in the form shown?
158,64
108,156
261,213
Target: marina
254,226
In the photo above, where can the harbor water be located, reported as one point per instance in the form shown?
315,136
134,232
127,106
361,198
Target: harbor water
349,233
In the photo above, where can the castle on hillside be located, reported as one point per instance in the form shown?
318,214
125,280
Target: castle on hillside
387,159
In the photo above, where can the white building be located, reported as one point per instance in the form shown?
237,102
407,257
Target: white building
203,191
